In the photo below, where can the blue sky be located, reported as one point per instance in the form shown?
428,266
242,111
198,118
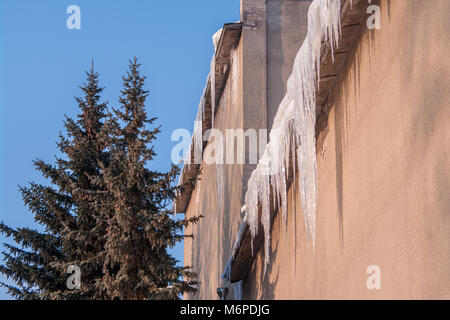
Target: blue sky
42,63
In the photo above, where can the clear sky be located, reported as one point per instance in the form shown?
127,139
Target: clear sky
42,63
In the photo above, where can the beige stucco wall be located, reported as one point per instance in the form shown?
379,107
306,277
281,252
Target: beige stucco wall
383,173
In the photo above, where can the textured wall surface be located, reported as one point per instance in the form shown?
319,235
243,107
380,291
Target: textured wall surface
209,251
384,173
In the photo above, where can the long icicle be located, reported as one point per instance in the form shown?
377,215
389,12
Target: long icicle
296,118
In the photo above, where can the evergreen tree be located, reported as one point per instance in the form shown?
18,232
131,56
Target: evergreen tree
69,211
141,228
104,211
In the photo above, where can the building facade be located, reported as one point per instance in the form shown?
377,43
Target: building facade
378,224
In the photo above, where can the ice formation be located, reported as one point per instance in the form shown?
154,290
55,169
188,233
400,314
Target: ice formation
197,136
293,134
292,137
196,144
212,72
213,90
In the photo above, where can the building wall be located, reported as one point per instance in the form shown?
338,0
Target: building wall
211,246
383,173
270,39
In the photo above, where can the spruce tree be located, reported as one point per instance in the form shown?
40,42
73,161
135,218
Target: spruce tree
104,210
141,228
69,211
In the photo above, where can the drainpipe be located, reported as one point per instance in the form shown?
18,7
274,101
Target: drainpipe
226,276
225,280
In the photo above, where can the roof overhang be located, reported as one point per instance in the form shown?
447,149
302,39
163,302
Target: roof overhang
231,33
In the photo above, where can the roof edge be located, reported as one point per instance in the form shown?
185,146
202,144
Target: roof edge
231,33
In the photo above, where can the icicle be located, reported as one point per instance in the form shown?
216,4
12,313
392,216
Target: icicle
215,38
201,106
251,200
198,140
293,131
265,216
213,90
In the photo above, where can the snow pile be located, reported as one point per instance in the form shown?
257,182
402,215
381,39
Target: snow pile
293,134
